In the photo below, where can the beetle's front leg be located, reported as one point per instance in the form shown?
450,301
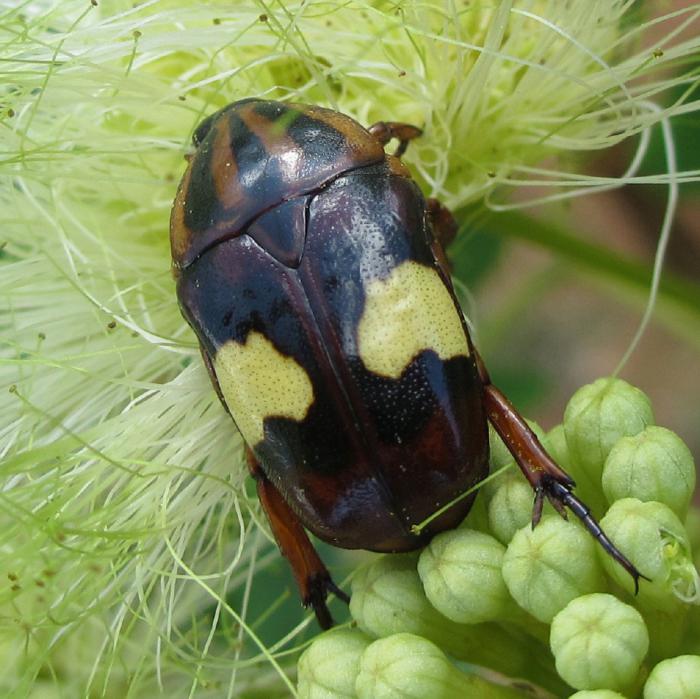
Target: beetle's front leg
544,475
312,576
384,131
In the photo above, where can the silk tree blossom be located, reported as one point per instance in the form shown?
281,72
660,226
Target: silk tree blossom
132,542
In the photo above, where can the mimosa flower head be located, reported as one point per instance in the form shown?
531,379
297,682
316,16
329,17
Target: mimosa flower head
131,537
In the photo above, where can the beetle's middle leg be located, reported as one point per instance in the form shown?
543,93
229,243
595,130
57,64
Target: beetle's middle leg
544,475
312,576
384,131
444,227
442,220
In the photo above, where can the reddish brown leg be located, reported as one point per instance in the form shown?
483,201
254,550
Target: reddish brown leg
444,224
544,475
313,579
384,131
444,231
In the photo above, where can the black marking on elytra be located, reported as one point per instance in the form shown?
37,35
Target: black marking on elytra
401,407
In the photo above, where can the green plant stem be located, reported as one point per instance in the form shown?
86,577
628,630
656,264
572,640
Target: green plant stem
679,299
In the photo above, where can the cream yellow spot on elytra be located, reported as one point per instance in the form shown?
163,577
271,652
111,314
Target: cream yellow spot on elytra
257,381
406,313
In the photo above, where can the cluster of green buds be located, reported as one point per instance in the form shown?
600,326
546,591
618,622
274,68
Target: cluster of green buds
498,610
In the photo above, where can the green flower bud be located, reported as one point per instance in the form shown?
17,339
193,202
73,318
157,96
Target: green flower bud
499,454
557,446
596,694
478,516
328,668
597,416
655,465
461,575
587,488
675,678
388,598
654,539
405,666
599,642
548,566
499,457
510,507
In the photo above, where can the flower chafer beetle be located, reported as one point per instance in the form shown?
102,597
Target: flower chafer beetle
313,272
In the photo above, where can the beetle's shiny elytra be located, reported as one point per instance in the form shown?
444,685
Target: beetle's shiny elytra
311,268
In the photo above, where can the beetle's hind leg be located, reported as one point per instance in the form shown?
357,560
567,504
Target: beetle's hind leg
384,131
544,475
312,576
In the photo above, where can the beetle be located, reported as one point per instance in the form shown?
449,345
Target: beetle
313,272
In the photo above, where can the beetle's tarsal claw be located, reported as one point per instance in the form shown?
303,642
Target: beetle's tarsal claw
319,586
315,598
561,496
632,570
636,581
537,507
558,506
340,594
323,616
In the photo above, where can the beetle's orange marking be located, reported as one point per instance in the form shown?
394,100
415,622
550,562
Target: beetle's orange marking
360,144
224,170
272,134
361,148
180,234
